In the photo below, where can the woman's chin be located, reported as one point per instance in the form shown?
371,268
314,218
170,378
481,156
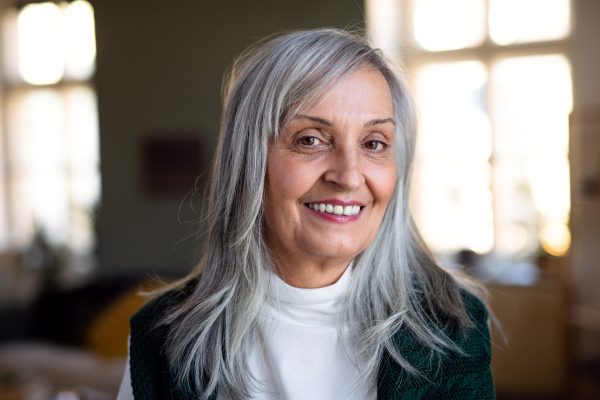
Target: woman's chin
330,252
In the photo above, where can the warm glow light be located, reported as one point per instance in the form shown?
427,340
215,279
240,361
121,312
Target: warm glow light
40,43
80,40
555,238
520,21
447,25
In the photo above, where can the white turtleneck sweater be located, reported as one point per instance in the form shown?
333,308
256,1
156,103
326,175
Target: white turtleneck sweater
299,354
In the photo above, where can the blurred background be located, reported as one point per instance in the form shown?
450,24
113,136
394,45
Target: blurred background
109,116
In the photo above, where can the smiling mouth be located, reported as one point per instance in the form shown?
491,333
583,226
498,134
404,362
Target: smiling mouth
335,209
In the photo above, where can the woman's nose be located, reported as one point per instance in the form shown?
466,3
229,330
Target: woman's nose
345,169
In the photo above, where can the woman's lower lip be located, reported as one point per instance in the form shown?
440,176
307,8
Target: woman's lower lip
335,217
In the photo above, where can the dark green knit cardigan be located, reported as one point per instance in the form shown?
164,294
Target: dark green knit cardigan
450,376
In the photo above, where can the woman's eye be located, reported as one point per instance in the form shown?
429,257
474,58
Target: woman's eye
309,141
374,145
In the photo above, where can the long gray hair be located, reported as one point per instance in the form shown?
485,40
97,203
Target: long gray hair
395,282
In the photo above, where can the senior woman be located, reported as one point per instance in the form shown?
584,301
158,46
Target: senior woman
314,283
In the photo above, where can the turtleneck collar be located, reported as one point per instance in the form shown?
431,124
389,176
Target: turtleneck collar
310,307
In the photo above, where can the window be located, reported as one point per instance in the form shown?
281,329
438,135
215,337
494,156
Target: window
51,179
493,88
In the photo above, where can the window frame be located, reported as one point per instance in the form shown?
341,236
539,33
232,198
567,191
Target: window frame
413,57
13,238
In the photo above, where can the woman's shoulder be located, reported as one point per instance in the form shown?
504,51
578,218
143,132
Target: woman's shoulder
150,315
148,330
475,334
148,362
475,307
462,373
473,341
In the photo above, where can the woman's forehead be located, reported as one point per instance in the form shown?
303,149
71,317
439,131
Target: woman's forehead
321,92
364,93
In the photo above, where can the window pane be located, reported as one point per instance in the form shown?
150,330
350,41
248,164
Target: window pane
447,25
82,131
531,103
452,198
520,21
54,178
80,40
38,159
41,58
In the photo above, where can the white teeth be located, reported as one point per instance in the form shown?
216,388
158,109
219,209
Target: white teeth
337,209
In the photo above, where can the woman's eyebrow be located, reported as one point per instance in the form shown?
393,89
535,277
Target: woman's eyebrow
328,123
380,121
316,119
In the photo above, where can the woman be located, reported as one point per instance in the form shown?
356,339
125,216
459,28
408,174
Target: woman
315,282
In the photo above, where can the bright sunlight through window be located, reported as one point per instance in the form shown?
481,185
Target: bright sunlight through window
491,169
521,21
446,25
52,175
56,41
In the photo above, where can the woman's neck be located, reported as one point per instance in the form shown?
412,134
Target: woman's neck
310,274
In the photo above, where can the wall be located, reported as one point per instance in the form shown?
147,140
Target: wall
585,182
159,72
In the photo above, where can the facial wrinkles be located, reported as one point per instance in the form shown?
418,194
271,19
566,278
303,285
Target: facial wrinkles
326,201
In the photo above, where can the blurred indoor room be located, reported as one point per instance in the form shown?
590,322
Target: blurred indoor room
109,116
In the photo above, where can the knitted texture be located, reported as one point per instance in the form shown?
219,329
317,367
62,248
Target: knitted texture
150,373
448,376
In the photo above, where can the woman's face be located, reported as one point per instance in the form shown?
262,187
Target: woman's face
331,174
